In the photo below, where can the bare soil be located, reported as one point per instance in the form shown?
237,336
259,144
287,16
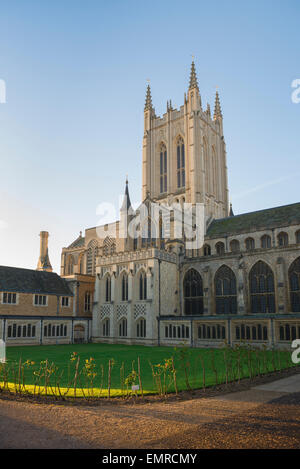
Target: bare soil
235,416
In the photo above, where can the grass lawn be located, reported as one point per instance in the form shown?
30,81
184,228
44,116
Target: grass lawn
188,364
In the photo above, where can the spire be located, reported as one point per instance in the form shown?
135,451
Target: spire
218,112
126,201
231,214
148,102
193,77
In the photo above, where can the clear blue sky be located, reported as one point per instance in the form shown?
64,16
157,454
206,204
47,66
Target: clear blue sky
72,126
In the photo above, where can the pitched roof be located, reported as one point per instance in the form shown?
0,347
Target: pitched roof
78,243
254,221
14,279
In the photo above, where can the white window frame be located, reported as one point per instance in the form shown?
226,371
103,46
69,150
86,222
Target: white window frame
38,305
9,293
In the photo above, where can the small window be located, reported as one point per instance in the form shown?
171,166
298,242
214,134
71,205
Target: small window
65,301
283,239
234,246
87,302
250,244
9,298
220,248
266,241
207,250
40,300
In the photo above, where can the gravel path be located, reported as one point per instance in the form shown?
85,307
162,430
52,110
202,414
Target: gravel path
246,419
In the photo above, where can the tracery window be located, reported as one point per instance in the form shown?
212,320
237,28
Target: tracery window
92,252
125,287
123,328
180,163
262,292
106,327
163,168
143,286
109,246
148,233
141,328
294,283
225,288
193,293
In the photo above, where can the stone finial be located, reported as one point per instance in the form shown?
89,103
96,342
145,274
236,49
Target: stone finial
193,78
148,102
217,112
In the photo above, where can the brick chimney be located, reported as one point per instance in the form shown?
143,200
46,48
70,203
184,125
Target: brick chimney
44,262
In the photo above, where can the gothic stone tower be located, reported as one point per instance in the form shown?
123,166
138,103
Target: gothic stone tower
184,154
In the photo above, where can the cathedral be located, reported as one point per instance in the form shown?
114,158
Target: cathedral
240,282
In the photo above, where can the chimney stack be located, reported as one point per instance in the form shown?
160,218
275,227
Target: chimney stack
44,262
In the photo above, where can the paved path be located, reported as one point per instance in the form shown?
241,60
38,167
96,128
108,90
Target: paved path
266,416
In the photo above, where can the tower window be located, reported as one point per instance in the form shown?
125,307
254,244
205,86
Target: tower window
180,163
163,168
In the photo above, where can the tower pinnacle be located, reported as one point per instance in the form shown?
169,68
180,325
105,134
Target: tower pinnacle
218,111
148,102
193,77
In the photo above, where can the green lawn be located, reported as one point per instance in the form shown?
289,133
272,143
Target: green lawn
187,362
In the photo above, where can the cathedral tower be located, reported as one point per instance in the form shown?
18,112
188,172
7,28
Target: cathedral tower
184,153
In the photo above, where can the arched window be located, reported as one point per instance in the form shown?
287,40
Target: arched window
206,250
250,244
297,234
193,293
163,168
225,288
141,328
70,265
148,233
109,246
92,252
180,163
143,286
106,328
220,248
265,241
234,245
294,283
283,239
125,287
87,302
123,328
108,289
262,293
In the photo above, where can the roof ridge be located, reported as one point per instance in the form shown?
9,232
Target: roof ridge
257,211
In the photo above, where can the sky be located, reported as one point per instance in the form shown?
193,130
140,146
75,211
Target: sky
72,124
